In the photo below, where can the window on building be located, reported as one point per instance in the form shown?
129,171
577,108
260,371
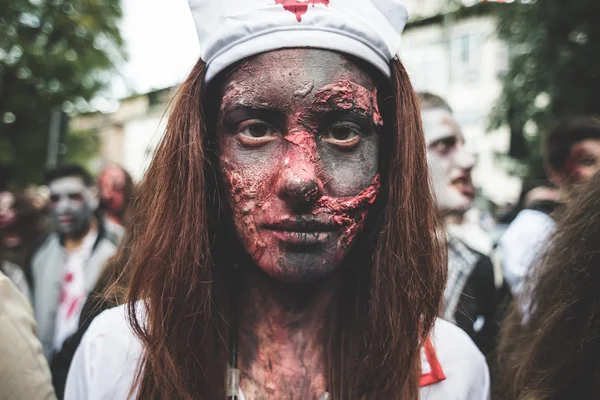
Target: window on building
466,49
502,59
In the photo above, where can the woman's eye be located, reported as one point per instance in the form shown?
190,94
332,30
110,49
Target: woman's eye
256,133
343,136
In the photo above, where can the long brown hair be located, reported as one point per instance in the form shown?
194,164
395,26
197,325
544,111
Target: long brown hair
550,347
177,268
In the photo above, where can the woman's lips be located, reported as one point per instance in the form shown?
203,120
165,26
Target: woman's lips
302,238
302,231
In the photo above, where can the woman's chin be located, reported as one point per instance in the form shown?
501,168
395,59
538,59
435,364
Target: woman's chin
298,268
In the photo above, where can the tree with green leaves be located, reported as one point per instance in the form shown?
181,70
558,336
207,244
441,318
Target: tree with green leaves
554,70
54,54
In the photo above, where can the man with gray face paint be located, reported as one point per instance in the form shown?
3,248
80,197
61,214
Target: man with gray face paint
67,265
473,290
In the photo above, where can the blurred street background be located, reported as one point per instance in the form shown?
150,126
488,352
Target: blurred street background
89,81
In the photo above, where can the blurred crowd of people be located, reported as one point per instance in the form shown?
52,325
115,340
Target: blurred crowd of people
56,241
58,246
531,300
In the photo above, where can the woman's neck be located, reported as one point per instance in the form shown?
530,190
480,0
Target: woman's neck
281,337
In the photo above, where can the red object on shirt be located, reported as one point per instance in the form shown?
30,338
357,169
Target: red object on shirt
436,374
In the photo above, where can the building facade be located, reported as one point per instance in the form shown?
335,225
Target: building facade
447,53
458,56
128,136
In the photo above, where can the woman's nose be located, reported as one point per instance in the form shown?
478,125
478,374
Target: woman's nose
299,184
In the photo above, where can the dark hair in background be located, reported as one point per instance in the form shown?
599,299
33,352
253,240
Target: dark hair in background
6,174
30,228
179,263
429,101
67,171
557,143
554,352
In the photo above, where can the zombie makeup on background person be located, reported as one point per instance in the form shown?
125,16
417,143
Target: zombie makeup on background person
449,162
583,161
9,220
112,183
571,151
8,214
299,157
72,205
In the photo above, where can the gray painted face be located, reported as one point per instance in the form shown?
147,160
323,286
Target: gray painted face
72,205
450,164
299,154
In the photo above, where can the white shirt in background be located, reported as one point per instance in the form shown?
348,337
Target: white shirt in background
73,292
522,245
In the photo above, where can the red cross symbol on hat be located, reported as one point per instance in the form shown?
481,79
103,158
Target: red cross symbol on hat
299,7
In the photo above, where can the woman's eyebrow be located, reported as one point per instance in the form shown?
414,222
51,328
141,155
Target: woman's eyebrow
328,115
237,112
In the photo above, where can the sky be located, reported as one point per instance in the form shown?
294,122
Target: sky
161,42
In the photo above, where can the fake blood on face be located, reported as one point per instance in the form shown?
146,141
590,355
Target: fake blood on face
299,7
583,161
301,172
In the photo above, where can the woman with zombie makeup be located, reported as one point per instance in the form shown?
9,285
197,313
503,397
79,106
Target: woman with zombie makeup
285,243
550,348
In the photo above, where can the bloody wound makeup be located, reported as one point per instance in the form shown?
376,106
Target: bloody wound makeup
299,7
299,147
583,161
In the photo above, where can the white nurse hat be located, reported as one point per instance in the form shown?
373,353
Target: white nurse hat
232,30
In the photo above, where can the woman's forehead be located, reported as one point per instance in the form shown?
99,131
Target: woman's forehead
293,73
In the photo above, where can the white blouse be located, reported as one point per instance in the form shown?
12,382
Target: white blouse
107,359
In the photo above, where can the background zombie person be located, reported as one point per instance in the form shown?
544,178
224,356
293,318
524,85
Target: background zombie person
66,266
552,351
116,190
572,156
21,232
474,291
108,292
285,244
